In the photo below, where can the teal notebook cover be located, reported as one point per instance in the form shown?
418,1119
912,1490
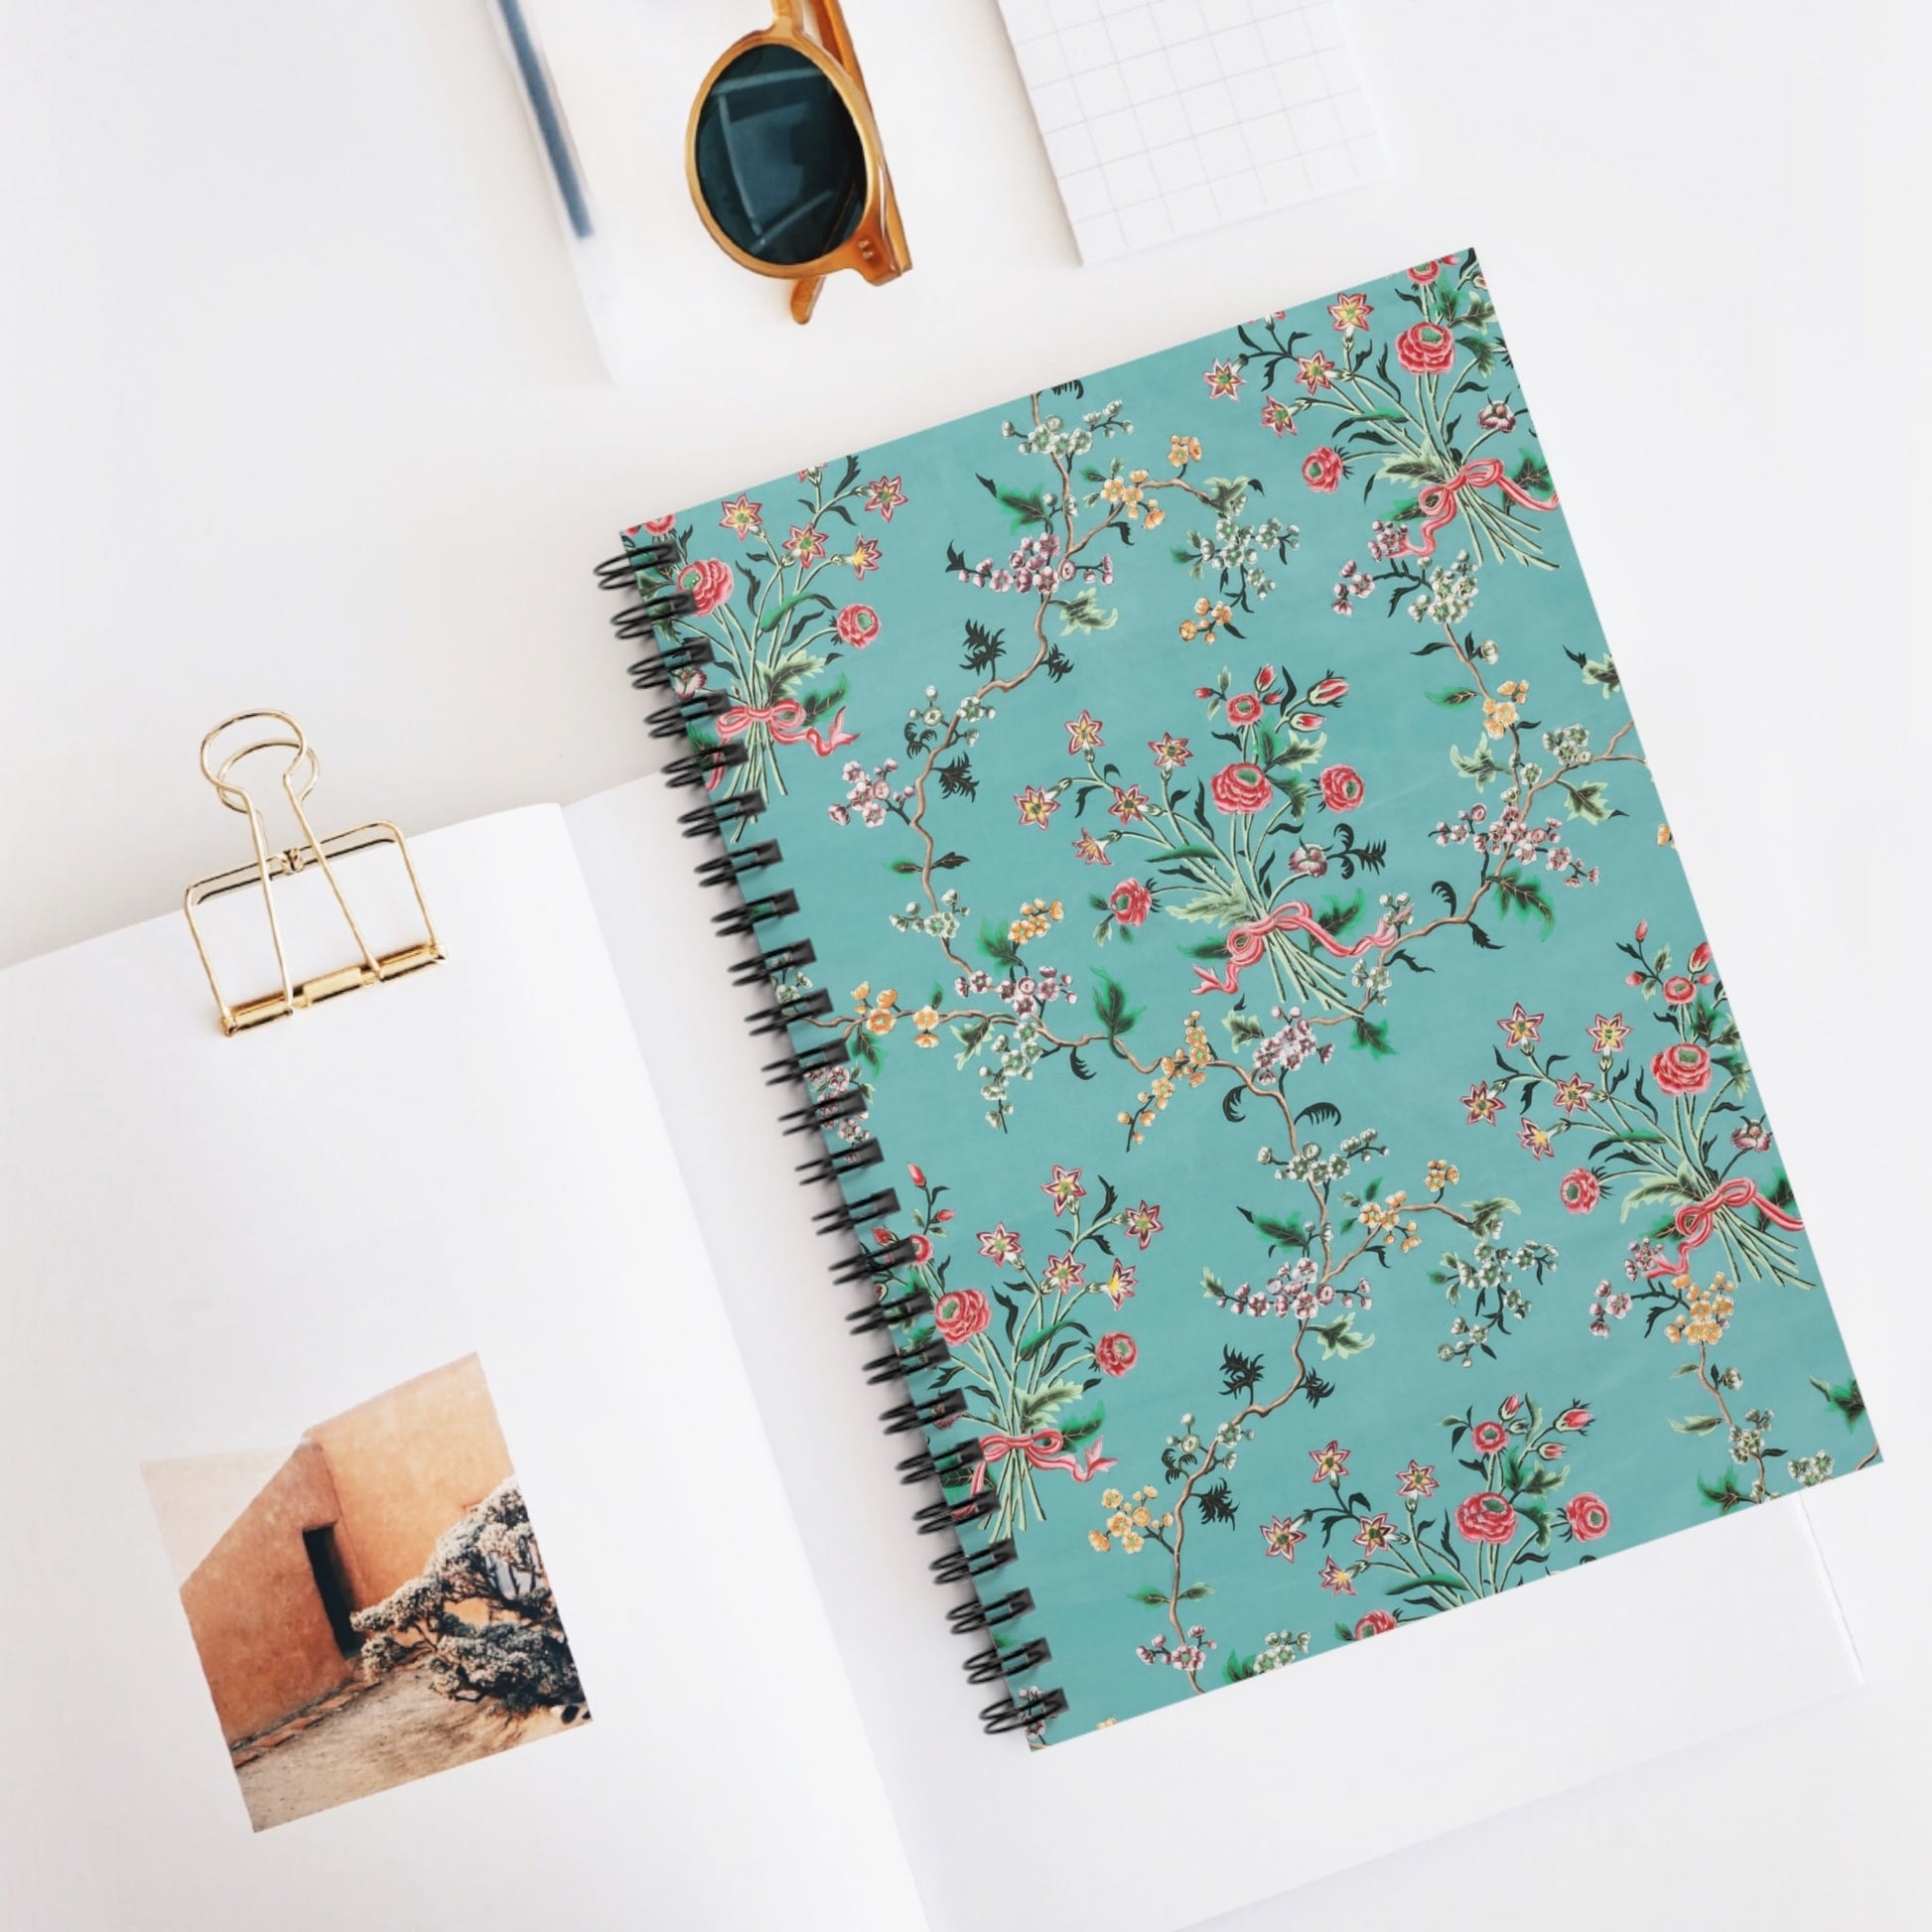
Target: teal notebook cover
1330,1186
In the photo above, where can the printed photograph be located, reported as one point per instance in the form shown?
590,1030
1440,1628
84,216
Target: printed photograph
368,1598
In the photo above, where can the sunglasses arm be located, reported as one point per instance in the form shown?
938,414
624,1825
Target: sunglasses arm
832,30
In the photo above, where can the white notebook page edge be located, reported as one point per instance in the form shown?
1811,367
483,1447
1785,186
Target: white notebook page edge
1430,1726
206,1244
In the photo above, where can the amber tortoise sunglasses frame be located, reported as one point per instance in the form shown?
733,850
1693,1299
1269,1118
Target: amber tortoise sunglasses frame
875,245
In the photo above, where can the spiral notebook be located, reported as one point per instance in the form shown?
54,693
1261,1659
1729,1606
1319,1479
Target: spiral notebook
1271,1082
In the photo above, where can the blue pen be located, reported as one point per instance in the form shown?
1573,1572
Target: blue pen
552,129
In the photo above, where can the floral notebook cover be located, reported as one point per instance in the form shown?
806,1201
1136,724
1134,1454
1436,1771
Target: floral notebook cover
1318,1125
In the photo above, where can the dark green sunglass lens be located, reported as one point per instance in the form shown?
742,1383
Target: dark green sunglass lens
780,165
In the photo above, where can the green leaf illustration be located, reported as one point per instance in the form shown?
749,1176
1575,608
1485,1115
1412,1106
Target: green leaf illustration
1844,1397
1590,801
1223,906
1434,1580
1523,895
1111,1008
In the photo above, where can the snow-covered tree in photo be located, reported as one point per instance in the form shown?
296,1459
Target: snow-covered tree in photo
518,1656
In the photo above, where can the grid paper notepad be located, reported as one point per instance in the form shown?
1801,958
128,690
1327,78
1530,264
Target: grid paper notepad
1171,117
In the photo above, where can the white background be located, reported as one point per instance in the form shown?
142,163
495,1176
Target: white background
297,406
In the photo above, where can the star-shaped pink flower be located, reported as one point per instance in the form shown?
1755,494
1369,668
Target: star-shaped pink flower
1281,1535
1522,1029
1063,1189
1337,1580
885,495
742,516
1609,1036
999,1244
1036,806
1224,379
1313,371
1417,1479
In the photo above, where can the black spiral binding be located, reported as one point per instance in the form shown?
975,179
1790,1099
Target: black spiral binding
647,567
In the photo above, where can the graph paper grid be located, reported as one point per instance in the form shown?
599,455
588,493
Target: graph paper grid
1166,118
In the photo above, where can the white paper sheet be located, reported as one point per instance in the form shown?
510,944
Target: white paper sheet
206,1244
1318,1768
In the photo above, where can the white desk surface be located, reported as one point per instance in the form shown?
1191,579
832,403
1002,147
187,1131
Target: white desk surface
298,407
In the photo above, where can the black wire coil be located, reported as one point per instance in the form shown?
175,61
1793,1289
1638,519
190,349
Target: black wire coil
734,865
736,920
711,819
835,1106
774,963
660,673
900,1362
978,1614
674,720
890,1314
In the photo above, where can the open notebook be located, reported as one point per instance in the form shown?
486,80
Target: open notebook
341,1272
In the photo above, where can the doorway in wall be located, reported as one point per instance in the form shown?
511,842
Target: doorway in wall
331,1584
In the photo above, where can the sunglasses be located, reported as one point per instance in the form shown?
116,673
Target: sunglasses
785,158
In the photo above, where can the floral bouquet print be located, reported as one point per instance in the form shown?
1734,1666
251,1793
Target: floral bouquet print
1332,1185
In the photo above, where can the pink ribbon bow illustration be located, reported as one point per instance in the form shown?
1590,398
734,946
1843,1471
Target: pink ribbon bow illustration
1246,943
1696,1218
1043,1450
786,721
1438,500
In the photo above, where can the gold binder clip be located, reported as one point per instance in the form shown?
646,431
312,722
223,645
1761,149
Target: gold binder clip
298,781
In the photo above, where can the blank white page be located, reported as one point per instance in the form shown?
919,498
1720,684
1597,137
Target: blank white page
207,1243
1171,117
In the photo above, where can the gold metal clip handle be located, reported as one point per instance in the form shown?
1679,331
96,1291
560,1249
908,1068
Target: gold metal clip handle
277,731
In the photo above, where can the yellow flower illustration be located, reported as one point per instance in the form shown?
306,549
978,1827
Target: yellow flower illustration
879,1014
1035,917
1708,1310
1125,493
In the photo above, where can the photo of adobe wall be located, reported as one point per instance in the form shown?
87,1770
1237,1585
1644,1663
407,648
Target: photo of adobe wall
367,1599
